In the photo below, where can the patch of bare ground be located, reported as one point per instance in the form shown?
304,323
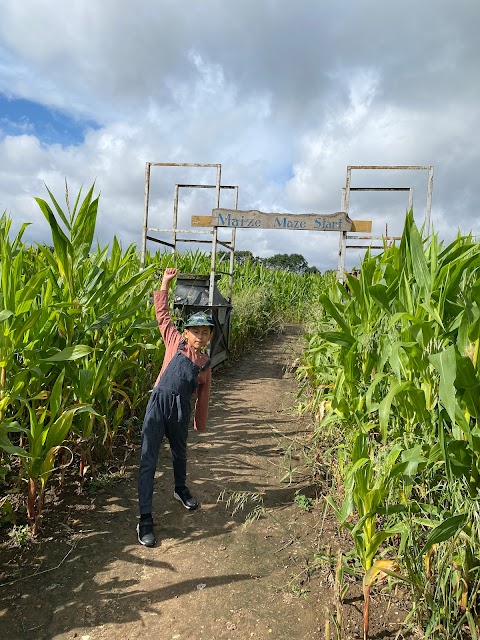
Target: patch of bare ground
211,577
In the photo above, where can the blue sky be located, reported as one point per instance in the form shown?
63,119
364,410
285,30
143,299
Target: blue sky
50,126
283,95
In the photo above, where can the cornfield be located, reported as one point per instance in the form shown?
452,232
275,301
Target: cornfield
391,367
80,347
394,368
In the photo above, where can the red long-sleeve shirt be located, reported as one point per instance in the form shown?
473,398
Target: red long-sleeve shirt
172,338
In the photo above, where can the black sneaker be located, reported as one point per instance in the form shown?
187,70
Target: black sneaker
185,497
145,533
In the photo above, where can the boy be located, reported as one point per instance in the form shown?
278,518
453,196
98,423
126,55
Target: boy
185,369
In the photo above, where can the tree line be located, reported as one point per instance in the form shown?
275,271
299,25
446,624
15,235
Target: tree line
291,262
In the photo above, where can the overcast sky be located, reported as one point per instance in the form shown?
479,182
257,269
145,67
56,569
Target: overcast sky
283,94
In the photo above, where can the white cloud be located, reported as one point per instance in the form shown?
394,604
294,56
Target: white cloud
285,96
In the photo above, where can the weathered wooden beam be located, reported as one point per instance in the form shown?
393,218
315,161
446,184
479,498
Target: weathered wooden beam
362,226
202,221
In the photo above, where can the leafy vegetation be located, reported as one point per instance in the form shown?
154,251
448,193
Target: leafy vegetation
391,367
395,366
290,262
80,347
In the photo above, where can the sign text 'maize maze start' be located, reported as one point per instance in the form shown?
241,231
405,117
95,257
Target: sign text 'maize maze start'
301,221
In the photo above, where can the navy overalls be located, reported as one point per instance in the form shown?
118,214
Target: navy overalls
167,414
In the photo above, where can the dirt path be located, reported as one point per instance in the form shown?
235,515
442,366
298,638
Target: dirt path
210,578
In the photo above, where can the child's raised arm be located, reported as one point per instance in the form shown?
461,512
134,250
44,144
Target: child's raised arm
168,330
168,275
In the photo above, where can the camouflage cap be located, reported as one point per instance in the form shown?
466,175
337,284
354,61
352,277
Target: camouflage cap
199,319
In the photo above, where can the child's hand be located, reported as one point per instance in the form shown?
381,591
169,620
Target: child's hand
168,275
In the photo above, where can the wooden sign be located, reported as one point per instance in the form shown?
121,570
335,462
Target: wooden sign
253,219
361,226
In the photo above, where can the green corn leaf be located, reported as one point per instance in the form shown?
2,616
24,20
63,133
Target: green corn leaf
418,403
100,296
143,325
464,264
466,377
8,447
59,209
445,363
16,244
475,441
431,310
21,326
379,293
58,431
391,509
344,511
341,338
12,427
56,395
30,291
435,454
398,359
104,363
355,287
6,444
49,257
445,530
474,330
461,427
358,464
369,403
85,378
420,267
414,460
94,281
330,501
384,411
455,311
9,282
401,316
34,433
378,539
5,314
405,294
63,247
70,353
129,311
77,200
460,458
83,229
102,321
118,292
331,308
470,399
